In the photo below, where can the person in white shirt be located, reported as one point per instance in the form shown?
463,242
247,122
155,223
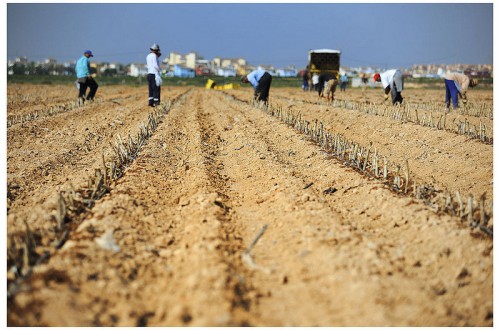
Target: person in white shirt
392,81
315,81
153,75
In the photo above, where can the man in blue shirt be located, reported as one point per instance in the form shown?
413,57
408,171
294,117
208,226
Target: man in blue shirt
343,82
261,82
84,78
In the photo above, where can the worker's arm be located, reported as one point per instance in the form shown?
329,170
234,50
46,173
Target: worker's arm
463,96
386,93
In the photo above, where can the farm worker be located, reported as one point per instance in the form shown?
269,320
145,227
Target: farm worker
154,79
364,79
456,85
315,80
325,84
343,82
84,78
261,82
305,81
364,83
392,81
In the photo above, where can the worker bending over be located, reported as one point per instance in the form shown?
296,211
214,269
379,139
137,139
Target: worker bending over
261,82
456,85
327,84
392,81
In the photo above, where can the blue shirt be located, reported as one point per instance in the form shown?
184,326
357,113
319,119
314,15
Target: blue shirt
254,77
344,78
82,67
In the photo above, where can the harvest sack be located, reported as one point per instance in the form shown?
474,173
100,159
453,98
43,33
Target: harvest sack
158,80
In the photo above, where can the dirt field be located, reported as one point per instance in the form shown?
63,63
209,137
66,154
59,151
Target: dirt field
229,217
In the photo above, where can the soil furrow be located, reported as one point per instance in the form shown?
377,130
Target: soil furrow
237,282
166,246
379,244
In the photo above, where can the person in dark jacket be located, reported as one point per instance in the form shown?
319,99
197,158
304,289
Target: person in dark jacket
261,82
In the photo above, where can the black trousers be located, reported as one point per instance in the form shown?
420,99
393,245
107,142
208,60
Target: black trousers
395,95
87,83
154,91
262,90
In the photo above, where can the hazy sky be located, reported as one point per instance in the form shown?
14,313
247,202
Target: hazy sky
382,35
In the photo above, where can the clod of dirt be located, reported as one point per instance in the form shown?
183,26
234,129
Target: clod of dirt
330,190
463,273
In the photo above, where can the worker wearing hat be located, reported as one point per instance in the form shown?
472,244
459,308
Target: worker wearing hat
456,85
261,82
392,81
153,76
85,79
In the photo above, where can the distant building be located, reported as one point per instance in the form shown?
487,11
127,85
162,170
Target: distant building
287,72
175,59
137,70
21,60
48,61
183,72
226,72
191,60
203,68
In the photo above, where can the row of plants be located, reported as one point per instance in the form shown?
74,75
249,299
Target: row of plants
476,212
409,113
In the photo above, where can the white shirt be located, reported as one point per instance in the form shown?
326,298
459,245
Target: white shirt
315,79
387,77
152,63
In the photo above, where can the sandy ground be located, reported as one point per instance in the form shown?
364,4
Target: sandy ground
228,217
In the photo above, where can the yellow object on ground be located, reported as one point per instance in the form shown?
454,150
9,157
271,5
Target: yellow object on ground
210,84
227,86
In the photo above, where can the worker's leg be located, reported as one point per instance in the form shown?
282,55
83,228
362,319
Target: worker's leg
451,93
396,95
93,88
156,95
331,87
83,87
454,95
397,88
447,97
151,87
263,87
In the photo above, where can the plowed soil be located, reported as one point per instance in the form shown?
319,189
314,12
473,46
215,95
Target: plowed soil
228,217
